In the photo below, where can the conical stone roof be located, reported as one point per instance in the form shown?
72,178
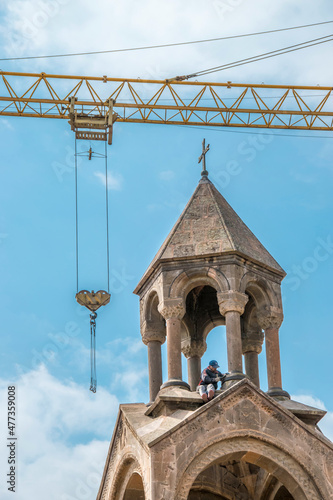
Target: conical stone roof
209,226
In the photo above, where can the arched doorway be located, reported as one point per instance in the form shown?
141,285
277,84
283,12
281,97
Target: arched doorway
134,489
237,479
246,468
201,317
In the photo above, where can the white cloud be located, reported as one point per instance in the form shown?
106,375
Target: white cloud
63,434
126,345
118,352
303,177
154,207
128,353
114,181
167,175
40,27
309,400
119,356
6,124
132,385
326,424
37,27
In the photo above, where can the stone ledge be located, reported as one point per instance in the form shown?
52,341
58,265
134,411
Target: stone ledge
307,414
171,399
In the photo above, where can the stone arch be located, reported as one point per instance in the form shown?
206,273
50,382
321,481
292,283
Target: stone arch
128,467
250,315
150,311
134,489
210,319
209,326
260,290
202,314
290,472
187,280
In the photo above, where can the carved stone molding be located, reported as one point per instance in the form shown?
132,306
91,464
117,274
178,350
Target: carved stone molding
172,308
232,301
252,341
192,348
270,317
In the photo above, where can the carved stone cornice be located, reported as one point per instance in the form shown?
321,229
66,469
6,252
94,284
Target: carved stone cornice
172,308
192,348
252,341
270,317
232,301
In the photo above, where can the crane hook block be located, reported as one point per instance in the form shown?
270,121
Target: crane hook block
93,300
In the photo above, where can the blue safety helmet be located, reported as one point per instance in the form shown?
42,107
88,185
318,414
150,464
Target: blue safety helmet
214,363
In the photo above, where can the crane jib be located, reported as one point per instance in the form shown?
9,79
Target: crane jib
93,104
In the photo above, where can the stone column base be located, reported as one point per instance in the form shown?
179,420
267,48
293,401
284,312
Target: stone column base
235,376
278,392
176,383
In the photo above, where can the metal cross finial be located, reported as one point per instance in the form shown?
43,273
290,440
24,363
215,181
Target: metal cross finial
203,158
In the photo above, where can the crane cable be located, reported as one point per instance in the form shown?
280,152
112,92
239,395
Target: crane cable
93,375
93,314
259,57
77,218
76,222
176,44
107,218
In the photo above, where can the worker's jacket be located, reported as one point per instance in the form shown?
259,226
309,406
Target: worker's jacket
209,377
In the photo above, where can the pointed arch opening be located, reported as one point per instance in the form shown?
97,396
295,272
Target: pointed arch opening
201,317
134,489
151,314
202,312
216,348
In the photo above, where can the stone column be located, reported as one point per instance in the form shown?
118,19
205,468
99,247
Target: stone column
270,320
153,340
232,306
193,350
173,311
252,346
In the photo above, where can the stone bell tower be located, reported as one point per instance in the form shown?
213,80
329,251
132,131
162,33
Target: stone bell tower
245,444
211,270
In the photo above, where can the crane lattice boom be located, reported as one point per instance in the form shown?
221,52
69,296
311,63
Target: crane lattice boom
173,101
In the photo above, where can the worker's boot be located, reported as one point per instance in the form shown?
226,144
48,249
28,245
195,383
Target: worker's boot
204,397
210,395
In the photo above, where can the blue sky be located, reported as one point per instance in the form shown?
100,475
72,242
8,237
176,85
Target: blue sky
280,185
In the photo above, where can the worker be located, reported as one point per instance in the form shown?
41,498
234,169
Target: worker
209,379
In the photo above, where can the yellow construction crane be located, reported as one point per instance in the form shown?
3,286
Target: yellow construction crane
93,104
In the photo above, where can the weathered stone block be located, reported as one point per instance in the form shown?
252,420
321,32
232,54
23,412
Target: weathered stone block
183,250
181,238
208,247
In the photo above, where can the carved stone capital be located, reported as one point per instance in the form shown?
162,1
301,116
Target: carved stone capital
152,335
172,308
192,348
270,317
252,341
232,301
